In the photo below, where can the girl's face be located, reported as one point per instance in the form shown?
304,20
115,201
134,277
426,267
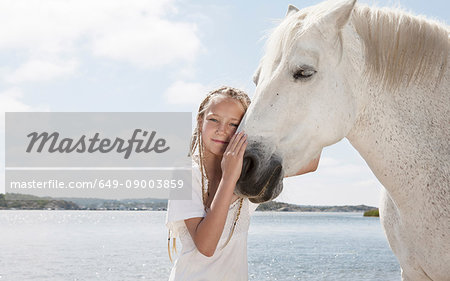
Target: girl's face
219,123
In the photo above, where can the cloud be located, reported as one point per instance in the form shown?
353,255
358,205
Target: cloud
319,189
328,161
182,92
135,31
335,182
10,101
148,43
330,166
343,170
41,70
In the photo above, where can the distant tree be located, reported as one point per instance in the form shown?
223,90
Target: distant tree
372,213
2,200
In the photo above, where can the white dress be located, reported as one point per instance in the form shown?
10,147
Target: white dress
229,263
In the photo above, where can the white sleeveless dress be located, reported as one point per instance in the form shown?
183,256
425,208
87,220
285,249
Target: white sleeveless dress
229,263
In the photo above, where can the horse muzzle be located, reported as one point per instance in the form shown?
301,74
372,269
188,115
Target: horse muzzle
261,177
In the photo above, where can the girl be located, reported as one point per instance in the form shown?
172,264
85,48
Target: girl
213,225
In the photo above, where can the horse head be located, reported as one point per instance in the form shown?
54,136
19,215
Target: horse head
303,100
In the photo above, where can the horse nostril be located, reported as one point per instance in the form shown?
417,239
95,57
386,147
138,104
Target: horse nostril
247,166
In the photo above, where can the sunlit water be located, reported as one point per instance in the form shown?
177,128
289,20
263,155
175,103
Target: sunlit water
121,245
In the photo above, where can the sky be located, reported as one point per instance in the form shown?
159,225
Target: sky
158,56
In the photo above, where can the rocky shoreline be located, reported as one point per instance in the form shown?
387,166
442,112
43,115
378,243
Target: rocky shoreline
29,202
285,207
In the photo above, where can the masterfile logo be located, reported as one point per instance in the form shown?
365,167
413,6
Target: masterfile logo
95,144
87,154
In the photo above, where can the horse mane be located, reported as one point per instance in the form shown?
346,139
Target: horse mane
280,39
401,48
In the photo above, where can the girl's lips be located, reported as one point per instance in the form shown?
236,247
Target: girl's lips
219,141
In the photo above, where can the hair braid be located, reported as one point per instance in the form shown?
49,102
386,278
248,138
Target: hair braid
196,141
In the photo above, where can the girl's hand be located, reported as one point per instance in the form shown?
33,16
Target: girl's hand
233,157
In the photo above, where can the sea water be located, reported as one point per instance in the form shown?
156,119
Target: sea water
132,245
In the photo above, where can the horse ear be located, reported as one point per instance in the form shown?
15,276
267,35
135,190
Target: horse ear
291,9
256,75
339,13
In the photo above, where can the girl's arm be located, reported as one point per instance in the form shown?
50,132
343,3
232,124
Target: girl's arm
206,231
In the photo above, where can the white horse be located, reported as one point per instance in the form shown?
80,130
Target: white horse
380,78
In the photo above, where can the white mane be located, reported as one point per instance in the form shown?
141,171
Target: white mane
399,47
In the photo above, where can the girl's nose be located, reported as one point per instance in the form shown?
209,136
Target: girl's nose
221,129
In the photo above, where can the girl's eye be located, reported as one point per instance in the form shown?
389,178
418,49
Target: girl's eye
212,119
235,125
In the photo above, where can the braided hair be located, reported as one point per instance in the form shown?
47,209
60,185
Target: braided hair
196,142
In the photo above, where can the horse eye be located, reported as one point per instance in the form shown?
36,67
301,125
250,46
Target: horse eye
304,73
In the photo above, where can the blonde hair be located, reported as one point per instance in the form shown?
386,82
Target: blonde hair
230,92
196,142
